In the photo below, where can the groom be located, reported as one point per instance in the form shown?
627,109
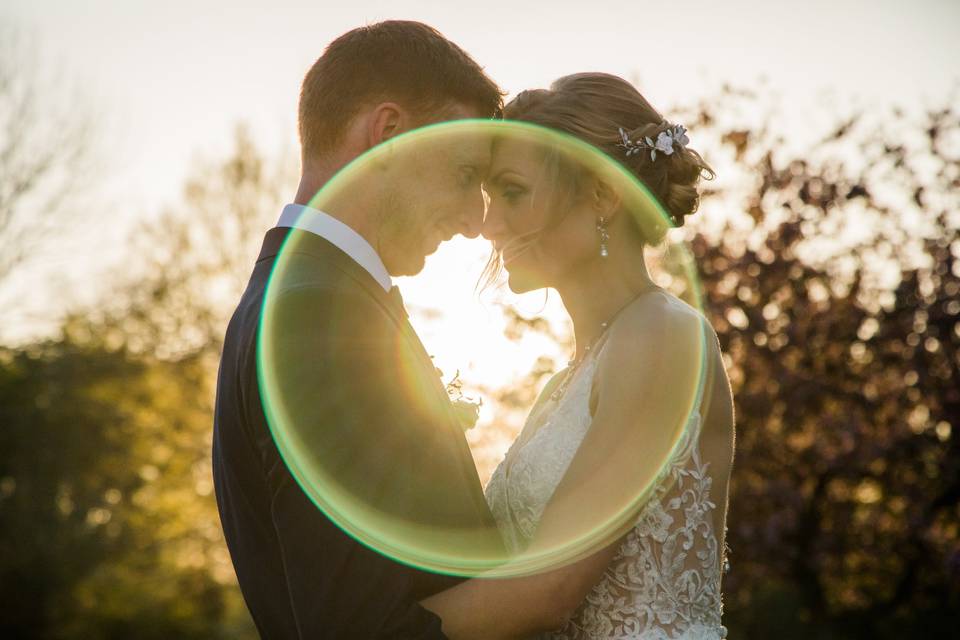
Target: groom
357,371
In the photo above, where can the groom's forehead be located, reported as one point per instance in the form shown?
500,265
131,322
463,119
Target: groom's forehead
470,148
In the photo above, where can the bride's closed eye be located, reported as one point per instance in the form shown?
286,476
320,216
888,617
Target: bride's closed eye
512,192
508,188
504,186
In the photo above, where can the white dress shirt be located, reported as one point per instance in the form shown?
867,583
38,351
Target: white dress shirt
338,234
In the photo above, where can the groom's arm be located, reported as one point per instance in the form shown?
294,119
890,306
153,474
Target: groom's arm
338,588
345,396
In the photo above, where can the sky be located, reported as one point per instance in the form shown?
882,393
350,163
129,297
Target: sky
170,80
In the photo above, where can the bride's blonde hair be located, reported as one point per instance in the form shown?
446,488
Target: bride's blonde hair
595,107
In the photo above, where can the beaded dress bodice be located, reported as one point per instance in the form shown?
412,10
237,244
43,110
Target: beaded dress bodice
664,582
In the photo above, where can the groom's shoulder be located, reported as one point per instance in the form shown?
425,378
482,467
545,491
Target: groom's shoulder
306,276
327,291
308,295
324,301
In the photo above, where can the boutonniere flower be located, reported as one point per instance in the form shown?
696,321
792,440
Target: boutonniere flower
466,411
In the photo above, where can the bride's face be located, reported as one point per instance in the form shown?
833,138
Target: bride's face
541,229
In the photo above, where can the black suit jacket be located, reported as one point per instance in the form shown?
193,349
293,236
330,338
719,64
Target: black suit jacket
368,402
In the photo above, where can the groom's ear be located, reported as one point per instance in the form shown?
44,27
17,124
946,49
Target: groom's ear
386,120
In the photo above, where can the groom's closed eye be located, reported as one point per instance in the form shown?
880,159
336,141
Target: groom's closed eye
469,175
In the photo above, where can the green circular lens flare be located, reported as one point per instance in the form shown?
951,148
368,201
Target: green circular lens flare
377,482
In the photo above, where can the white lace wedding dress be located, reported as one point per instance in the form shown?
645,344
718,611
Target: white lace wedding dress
664,582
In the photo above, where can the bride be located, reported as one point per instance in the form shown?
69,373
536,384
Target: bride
596,426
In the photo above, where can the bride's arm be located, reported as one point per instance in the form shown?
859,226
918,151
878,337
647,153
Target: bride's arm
646,385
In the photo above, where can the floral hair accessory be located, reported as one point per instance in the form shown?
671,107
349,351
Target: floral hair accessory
667,142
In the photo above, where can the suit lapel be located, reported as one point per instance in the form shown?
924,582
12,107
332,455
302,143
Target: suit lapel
286,239
277,240
281,239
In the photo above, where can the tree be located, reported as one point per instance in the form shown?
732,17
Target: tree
844,511
45,151
107,513
104,507
189,266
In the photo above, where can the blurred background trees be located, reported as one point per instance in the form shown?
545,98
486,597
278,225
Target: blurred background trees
838,310
188,266
47,159
106,519
108,522
829,269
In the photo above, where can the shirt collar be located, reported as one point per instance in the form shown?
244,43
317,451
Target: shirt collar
340,235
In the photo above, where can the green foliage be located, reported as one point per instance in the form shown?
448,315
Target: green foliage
106,513
188,267
108,520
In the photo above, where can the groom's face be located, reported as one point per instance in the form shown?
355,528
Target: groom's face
434,195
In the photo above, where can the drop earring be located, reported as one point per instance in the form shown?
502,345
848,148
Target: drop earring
604,236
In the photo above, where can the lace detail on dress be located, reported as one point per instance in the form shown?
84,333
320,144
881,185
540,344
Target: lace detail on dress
664,582
539,463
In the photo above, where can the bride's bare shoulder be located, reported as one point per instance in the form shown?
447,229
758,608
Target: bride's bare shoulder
653,348
656,322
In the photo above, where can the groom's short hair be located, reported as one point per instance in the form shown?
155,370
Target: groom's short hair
402,61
